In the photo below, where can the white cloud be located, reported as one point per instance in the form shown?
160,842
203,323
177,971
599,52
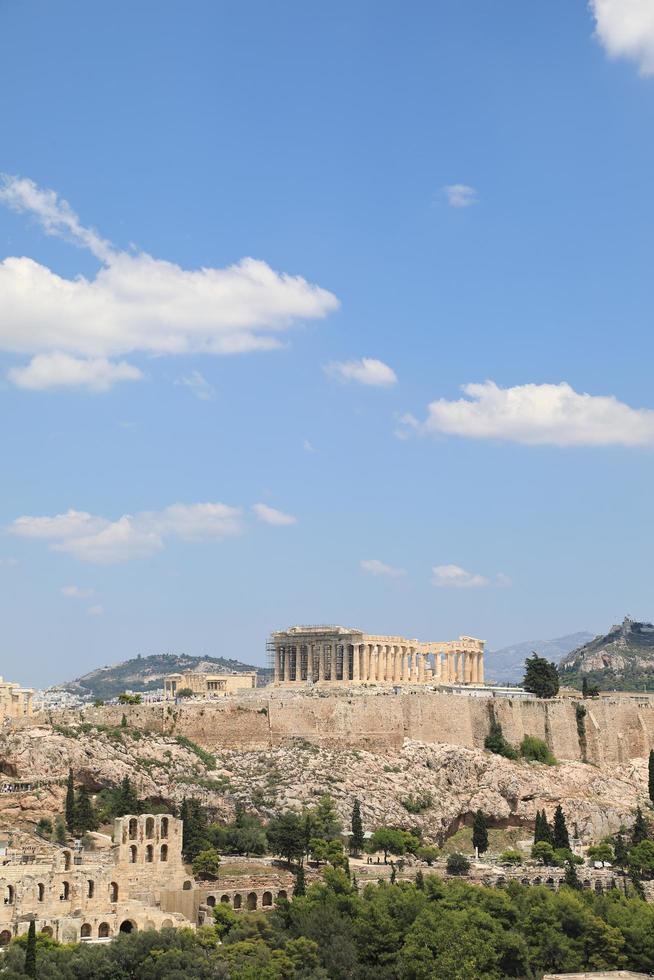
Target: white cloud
95,611
99,540
367,371
198,385
546,414
74,592
309,447
139,304
460,195
63,371
271,516
375,567
625,28
453,576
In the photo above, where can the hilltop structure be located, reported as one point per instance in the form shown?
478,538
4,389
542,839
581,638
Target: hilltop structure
15,701
621,659
336,654
209,685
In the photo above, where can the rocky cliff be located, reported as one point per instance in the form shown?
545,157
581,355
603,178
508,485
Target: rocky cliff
622,659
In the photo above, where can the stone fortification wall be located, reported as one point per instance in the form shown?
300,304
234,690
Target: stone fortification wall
613,730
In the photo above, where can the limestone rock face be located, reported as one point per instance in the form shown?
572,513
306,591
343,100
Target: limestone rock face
450,782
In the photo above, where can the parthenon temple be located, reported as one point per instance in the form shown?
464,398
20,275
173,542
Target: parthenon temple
337,655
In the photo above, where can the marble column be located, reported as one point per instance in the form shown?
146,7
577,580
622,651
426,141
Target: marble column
287,663
356,672
474,661
276,675
421,668
480,667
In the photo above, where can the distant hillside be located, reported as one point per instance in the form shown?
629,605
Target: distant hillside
620,660
146,674
507,664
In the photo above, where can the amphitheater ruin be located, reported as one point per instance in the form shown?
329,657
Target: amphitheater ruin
338,655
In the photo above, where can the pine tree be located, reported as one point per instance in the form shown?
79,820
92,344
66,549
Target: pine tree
480,833
639,832
300,882
571,878
541,677
650,774
70,802
30,950
561,838
584,687
59,831
420,879
357,839
85,818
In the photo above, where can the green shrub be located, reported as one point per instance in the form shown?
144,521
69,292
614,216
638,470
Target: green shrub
417,804
457,864
205,757
495,742
536,750
511,857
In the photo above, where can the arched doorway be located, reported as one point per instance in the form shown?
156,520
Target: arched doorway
5,937
103,930
237,901
282,894
85,931
266,899
224,899
211,901
127,926
47,931
252,901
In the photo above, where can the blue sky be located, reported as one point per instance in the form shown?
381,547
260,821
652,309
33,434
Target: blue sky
436,195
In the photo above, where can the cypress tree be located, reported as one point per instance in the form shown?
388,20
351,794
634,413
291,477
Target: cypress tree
639,832
85,818
650,775
70,802
128,801
420,880
538,828
300,882
543,830
584,687
357,838
620,851
480,833
561,838
571,878
30,950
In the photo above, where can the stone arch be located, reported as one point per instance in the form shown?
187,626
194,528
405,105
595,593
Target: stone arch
186,887
9,895
133,828
538,880
85,931
550,882
224,899
104,930
211,901
149,854
40,892
113,892
266,899
133,853
46,931
5,937
587,883
65,891
282,894
599,888
167,924
252,901
149,925
67,860
238,901
163,853
524,881
69,934
163,830
127,925
149,827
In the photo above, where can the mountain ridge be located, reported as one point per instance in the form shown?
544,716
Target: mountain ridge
506,665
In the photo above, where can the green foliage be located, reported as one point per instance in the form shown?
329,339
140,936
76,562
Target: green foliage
561,838
98,703
195,829
300,887
184,692
287,836
428,854
205,757
59,835
418,803
389,841
44,827
85,817
357,839
640,830
588,689
534,749
641,857
601,852
125,698
206,864
650,776
457,864
30,950
70,802
511,857
543,831
571,878
543,851
480,833
541,677
495,741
